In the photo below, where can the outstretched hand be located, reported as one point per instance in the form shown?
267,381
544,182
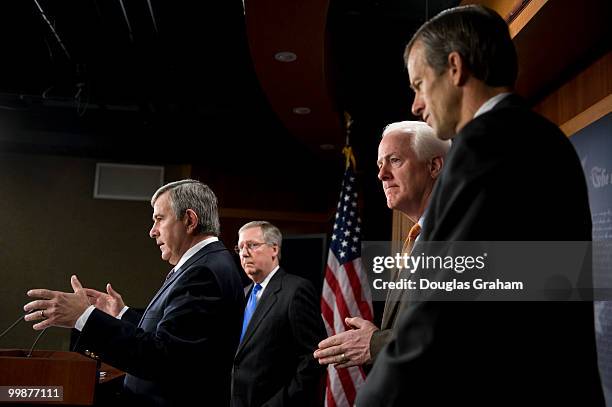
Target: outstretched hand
56,308
349,348
109,302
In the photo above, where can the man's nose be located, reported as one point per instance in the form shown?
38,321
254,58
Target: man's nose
383,173
418,106
153,232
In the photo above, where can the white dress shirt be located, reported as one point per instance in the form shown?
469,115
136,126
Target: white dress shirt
490,104
265,282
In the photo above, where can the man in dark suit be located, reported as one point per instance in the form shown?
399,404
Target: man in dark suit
510,175
410,159
181,348
282,325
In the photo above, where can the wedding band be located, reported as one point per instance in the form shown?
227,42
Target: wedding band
343,358
42,313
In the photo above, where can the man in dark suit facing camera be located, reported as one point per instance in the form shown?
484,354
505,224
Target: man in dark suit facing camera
494,187
282,326
180,349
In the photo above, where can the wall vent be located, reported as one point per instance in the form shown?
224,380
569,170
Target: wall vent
127,182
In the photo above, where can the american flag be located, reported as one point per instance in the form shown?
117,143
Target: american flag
346,292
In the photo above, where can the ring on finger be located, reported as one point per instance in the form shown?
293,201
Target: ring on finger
42,313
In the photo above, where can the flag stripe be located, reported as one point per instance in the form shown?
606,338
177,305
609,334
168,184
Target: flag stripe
346,291
364,307
340,302
346,381
328,316
329,399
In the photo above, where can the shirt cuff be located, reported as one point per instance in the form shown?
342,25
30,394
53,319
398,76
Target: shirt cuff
120,314
80,323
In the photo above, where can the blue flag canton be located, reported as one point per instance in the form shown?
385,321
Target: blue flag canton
346,236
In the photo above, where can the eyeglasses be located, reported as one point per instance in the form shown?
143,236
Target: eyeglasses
250,246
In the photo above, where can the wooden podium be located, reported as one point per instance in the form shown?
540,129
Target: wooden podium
74,372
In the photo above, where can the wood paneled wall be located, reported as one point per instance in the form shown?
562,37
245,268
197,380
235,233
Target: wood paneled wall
582,99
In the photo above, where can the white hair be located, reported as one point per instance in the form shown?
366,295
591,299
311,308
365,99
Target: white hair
271,234
425,144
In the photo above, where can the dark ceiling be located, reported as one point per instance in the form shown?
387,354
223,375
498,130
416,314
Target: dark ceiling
127,82
368,39
152,80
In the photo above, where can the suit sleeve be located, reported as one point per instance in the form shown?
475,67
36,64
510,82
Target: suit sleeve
379,339
402,360
181,336
132,316
308,331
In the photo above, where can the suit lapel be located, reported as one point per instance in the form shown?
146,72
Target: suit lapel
396,298
209,248
267,300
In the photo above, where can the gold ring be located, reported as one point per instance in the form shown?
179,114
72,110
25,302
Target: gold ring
42,313
343,356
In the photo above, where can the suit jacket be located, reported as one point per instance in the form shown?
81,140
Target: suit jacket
510,175
274,365
181,348
396,302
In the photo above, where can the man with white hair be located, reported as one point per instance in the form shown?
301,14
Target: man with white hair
496,188
410,159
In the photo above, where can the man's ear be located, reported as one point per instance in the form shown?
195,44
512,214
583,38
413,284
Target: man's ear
435,166
191,221
457,69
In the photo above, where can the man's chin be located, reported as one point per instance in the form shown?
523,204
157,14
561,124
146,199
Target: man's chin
444,134
252,274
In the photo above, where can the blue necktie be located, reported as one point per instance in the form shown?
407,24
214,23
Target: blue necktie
250,309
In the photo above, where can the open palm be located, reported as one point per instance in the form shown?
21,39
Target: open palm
109,302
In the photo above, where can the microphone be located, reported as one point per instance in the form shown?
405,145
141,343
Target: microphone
13,325
35,342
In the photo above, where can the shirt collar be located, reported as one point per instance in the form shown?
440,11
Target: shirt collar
266,280
490,104
420,222
194,249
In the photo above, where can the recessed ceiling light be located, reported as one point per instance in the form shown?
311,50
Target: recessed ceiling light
285,56
301,110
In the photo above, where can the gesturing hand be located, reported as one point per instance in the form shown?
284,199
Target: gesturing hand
349,348
56,308
109,302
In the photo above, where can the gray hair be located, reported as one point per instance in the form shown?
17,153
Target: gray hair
424,142
191,194
271,234
479,35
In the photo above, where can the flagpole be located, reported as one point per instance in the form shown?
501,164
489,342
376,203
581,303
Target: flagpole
346,291
348,150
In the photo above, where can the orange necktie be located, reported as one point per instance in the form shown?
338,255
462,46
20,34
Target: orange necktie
414,232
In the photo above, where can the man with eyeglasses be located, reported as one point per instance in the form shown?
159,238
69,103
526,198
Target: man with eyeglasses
281,328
